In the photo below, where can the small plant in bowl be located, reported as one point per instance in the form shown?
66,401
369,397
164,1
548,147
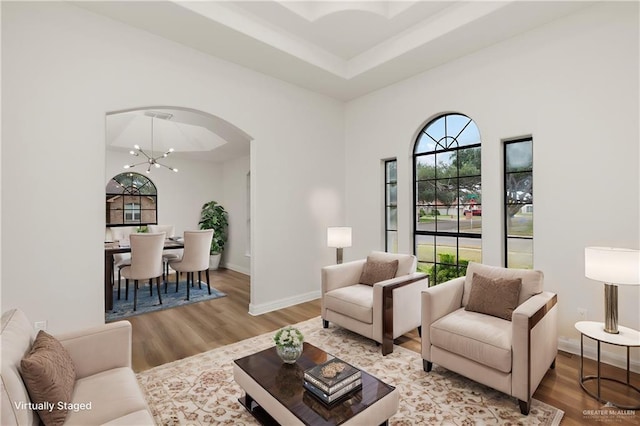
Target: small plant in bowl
289,342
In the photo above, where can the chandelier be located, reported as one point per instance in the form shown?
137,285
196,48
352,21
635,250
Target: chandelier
150,159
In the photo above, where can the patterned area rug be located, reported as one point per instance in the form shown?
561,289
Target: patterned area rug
149,303
201,390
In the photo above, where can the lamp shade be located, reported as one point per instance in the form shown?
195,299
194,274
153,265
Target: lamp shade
612,265
339,236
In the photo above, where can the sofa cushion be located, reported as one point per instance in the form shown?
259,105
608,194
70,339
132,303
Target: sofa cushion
496,297
532,281
375,271
49,374
406,262
113,394
481,338
355,301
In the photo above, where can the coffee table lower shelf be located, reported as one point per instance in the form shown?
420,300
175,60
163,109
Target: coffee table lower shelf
257,411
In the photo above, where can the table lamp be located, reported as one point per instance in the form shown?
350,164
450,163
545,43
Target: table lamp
612,266
339,237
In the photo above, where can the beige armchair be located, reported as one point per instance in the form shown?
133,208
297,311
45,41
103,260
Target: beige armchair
509,356
381,311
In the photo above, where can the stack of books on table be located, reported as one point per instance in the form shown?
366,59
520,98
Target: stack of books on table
332,380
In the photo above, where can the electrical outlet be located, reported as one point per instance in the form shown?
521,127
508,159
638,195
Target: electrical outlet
582,314
41,325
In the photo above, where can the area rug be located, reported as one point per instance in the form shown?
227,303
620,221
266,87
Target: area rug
200,389
124,308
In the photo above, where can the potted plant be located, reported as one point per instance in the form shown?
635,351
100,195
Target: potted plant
213,216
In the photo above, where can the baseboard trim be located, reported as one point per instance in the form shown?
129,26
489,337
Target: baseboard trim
607,357
259,309
237,268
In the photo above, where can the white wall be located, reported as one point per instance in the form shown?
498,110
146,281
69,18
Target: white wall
236,174
573,85
180,195
63,68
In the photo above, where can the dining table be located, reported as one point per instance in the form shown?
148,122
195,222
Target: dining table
114,247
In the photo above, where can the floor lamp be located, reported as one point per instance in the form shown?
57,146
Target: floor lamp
612,266
339,237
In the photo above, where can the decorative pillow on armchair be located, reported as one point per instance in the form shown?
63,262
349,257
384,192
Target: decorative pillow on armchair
49,375
496,297
375,271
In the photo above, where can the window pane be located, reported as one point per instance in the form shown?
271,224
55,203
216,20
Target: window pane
446,165
426,167
470,250
471,219
521,222
424,248
392,194
129,200
392,242
519,156
392,218
446,194
520,188
425,218
437,131
470,136
148,216
426,192
425,144
446,248
470,190
469,161
426,268
455,124
520,253
391,171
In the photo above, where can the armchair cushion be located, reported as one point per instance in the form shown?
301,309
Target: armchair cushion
495,297
354,301
532,281
406,263
481,338
375,271
49,375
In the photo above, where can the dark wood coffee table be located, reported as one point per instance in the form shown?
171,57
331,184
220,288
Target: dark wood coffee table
274,393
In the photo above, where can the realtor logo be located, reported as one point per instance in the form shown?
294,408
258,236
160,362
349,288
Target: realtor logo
609,413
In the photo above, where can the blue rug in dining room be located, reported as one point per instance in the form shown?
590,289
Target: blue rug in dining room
124,308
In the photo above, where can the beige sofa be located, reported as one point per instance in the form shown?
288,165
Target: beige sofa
104,378
510,356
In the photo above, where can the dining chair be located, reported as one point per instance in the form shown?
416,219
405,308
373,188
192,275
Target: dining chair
197,246
120,260
146,262
170,254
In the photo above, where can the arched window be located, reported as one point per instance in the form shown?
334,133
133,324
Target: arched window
131,199
447,197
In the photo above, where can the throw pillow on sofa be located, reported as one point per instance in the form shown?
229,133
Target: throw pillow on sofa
49,375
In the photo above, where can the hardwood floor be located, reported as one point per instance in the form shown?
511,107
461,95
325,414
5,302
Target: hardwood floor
173,334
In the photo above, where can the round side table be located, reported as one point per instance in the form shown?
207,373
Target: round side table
626,337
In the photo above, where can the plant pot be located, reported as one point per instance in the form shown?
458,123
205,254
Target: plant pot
214,261
289,354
